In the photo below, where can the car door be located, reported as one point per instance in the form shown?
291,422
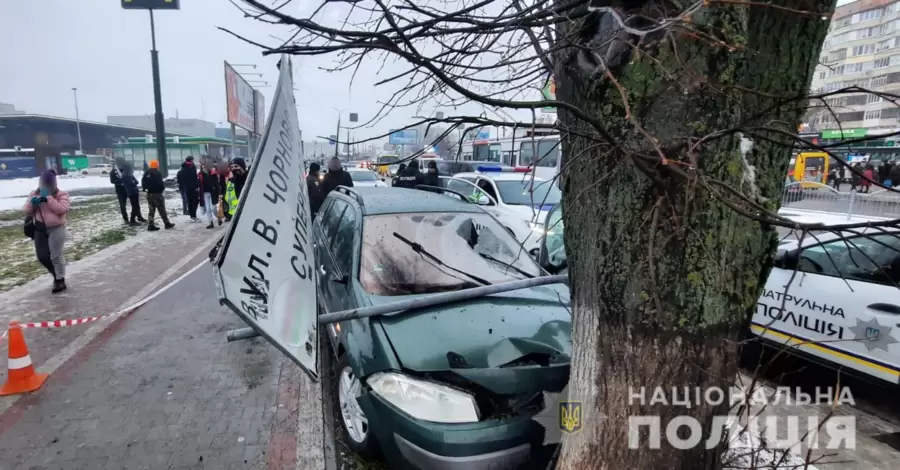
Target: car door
843,299
325,218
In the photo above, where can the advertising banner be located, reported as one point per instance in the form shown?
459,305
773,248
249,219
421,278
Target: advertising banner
239,100
259,105
404,137
17,167
264,267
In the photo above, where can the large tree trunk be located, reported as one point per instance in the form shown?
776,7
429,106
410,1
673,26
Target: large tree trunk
664,275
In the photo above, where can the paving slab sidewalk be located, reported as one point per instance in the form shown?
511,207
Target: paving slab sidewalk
99,284
162,389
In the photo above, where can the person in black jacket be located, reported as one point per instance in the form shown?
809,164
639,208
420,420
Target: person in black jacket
411,176
188,185
314,188
152,183
400,169
133,192
209,186
335,177
430,178
115,177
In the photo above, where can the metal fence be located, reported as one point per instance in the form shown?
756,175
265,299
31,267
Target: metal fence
879,203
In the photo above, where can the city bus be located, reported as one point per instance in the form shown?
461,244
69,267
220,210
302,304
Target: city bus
811,168
384,162
541,152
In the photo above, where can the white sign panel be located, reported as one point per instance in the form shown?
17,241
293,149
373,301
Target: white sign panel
265,264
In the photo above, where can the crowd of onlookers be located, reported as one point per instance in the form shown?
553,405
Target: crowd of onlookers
885,173
214,186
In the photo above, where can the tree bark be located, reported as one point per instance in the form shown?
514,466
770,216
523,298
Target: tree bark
664,275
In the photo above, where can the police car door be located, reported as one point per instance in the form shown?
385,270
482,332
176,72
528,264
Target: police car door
844,299
490,190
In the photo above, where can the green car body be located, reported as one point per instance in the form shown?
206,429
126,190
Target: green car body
504,350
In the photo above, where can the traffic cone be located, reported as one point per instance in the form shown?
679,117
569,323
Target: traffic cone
22,377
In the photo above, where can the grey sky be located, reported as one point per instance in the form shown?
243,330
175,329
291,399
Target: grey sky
103,50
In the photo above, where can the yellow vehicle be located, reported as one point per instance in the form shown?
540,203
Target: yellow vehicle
811,168
384,162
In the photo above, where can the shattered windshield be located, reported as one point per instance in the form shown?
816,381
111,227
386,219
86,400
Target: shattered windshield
471,242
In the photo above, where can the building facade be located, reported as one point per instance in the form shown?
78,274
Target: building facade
862,49
190,127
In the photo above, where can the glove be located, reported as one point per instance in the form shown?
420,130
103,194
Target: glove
35,201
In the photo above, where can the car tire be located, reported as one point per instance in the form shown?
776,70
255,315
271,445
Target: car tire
84,173
366,446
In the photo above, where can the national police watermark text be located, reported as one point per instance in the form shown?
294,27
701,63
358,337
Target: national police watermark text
689,397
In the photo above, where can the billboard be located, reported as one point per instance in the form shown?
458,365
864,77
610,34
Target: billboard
17,167
239,100
259,105
404,137
150,4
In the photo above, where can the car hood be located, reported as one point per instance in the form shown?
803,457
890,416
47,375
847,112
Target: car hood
509,343
537,213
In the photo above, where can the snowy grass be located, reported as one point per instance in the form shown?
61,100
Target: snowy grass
94,224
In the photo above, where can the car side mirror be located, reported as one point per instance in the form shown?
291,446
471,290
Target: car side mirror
786,259
483,200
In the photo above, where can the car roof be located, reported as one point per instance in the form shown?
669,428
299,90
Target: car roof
500,176
379,201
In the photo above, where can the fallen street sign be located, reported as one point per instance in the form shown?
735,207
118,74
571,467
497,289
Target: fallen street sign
264,268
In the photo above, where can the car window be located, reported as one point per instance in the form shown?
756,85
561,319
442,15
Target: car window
529,192
362,175
471,242
868,259
342,240
332,217
487,186
547,153
461,187
556,250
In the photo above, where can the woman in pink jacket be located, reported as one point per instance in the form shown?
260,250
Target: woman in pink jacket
49,205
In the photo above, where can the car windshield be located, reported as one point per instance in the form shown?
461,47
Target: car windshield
528,193
387,160
473,242
362,175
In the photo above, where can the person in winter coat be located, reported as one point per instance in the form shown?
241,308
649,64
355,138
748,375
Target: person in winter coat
209,187
411,176
400,169
239,173
115,177
870,176
431,178
234,183
335,177
48,205
153,184
894,175
314,187
133,192
188,186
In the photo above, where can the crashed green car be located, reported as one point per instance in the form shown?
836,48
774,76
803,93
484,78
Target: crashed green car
448,386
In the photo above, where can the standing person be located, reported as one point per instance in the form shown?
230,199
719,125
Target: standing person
115,177
234,186
870,176
133,192
400,169
189,185
223,169
48,205
146,167
152,182
854,177
335,177
431,178
314,188
833,179
411,176
209,187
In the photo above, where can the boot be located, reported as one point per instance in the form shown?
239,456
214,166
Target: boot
141,218
220,222
152,227
134,223
59,285
169,225
210,225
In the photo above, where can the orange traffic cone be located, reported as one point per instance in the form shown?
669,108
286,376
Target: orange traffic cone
22,377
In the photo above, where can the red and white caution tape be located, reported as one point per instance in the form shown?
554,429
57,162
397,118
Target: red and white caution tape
62,323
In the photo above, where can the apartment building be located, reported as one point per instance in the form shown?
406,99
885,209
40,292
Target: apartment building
862,49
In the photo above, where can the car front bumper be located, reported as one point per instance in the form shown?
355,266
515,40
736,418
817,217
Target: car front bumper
495,444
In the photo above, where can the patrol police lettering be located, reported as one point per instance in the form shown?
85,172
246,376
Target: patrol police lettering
801,321
788,299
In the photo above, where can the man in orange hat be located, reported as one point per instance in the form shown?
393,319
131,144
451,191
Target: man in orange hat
153,184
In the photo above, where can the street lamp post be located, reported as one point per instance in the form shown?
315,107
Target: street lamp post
77,120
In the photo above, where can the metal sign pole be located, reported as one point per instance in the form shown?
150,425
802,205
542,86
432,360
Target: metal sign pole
157,101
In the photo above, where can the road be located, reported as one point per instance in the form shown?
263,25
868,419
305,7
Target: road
161,389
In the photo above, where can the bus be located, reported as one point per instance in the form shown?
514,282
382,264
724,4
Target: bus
385,161
539,151
811,169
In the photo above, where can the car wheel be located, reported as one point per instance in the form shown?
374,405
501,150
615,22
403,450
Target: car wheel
354,423
84,173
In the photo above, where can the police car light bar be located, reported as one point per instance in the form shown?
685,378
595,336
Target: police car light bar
500,169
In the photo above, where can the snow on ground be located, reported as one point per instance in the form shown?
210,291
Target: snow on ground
93,224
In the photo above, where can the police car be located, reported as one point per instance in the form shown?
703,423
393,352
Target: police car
514,197
842,306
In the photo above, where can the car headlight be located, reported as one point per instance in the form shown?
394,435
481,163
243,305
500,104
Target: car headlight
535,227
428,401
